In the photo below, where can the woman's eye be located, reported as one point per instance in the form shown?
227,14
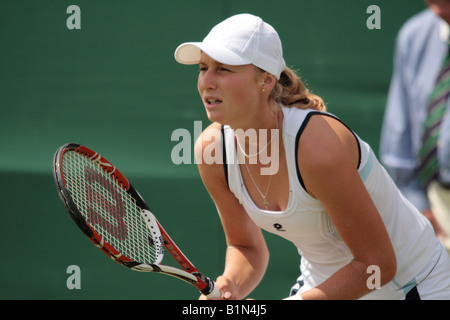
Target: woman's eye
219,69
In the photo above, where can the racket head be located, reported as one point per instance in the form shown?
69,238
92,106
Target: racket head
107,208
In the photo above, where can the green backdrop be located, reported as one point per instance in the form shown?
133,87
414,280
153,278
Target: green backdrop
114,86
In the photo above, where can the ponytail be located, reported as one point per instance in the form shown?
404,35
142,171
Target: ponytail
291,92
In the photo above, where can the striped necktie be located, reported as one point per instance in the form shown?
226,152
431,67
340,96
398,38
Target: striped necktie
437,103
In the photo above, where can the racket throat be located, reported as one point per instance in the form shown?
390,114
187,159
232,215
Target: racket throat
174,272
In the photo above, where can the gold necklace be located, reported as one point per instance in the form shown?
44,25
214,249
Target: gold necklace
255,154
266,204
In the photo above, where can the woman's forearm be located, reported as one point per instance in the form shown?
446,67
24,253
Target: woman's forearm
349,283
245,267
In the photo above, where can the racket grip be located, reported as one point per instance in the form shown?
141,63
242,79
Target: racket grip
212,290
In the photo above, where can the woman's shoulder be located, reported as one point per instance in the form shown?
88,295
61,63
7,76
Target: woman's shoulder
296,119
211,135
208,150
326,140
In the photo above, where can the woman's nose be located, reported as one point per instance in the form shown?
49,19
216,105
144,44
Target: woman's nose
207,80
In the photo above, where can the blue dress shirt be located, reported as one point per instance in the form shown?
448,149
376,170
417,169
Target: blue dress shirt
420,49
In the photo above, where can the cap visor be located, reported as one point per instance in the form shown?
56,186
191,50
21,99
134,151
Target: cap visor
190,53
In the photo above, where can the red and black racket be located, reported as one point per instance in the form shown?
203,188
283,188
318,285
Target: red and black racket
112,214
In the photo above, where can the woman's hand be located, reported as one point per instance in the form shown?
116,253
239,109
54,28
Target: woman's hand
227,288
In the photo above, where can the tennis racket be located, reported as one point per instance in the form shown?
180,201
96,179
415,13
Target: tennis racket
112,214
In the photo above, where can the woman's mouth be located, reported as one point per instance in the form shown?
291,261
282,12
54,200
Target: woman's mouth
212,101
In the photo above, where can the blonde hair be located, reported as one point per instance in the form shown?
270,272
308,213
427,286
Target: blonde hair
291,92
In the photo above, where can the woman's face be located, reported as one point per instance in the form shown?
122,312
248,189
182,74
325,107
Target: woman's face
441,8
230,94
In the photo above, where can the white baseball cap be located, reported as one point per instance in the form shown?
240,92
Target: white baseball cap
239,40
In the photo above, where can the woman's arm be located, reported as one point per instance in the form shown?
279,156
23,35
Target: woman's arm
328,157
247,254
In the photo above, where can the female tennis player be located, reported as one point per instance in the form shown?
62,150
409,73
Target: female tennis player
323,189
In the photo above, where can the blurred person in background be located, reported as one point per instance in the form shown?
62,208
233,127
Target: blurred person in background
415,139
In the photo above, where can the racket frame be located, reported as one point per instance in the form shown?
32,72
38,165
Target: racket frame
189,274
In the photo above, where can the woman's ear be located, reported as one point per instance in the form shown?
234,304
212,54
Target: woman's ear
268,82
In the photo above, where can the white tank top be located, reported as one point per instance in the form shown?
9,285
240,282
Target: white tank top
307,225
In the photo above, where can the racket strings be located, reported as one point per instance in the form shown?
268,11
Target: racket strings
108,208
